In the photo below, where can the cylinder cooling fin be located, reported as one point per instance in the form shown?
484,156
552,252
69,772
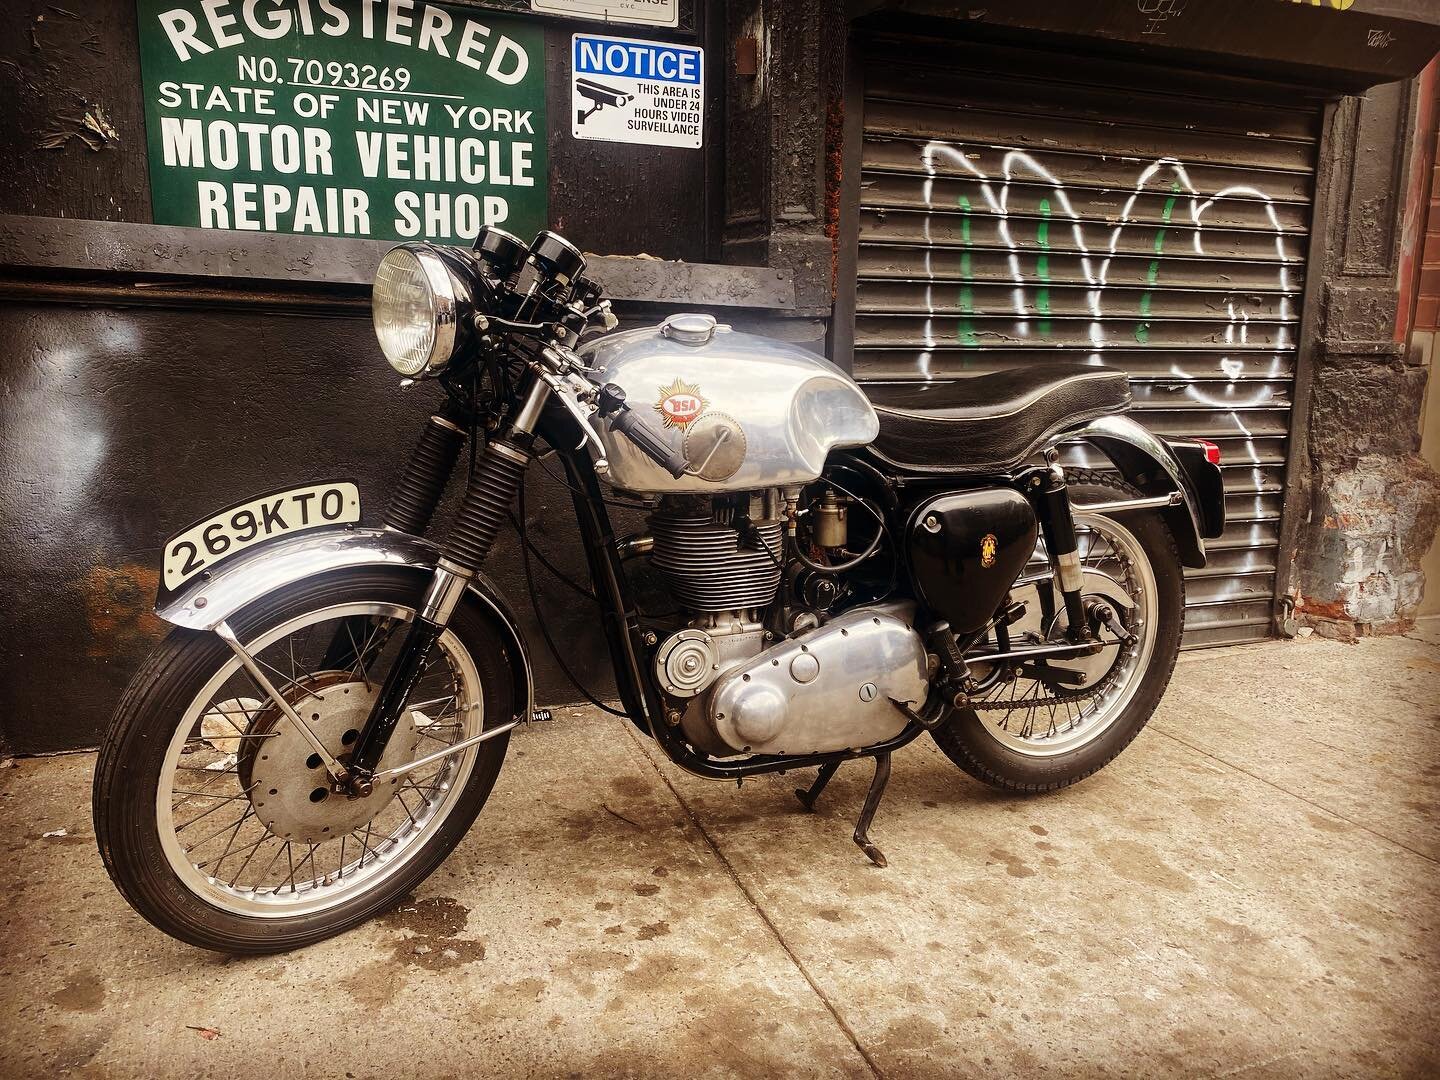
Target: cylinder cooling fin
714,564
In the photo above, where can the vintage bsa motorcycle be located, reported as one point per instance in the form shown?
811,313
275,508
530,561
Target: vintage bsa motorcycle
851,569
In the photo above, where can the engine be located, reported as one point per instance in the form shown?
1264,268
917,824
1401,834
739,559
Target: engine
720,558
740,681
718,555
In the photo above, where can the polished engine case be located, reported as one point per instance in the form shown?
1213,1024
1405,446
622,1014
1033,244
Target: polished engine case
831,689
748,412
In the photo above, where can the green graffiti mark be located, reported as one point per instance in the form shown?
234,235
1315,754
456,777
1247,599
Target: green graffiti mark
965,333
1152,275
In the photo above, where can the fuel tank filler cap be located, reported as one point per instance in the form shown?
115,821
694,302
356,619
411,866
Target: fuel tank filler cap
689,328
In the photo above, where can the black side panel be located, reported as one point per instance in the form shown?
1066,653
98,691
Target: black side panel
966,548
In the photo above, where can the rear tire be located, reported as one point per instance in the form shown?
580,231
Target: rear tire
1004,763
132,769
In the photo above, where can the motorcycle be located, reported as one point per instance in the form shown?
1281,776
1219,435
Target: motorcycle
852,568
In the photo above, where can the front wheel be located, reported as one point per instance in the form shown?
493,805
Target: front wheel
214,816
1051,724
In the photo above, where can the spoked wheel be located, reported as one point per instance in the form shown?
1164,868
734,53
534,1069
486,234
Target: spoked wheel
1052,723
215,815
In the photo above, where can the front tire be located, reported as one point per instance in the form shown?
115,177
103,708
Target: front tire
194,741
1020,751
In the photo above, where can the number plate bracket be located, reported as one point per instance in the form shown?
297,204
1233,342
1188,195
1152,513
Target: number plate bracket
203,545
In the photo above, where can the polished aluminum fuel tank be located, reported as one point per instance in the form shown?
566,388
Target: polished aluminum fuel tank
748,412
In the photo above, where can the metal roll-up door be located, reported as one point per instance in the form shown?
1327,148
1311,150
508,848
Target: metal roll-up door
1020,208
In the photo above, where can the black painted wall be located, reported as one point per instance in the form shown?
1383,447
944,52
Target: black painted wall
122,425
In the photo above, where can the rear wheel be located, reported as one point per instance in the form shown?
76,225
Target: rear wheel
1055,723
214,815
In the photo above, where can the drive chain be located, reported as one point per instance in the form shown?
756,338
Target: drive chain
1039,702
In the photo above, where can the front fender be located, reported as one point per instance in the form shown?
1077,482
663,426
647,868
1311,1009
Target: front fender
214,597
1147,462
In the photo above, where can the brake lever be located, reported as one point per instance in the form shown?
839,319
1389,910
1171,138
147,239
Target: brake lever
566,394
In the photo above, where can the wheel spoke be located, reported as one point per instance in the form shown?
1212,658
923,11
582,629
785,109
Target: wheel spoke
253,848
220,831
240,860
284,846
1077,711
217,806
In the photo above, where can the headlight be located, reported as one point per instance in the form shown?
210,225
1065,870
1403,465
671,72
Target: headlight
416,304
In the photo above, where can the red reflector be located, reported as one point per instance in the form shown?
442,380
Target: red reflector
1212,451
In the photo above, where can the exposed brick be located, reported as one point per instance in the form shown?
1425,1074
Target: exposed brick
1373,524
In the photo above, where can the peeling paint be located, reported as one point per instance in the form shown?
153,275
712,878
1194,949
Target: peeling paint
94,129
118,609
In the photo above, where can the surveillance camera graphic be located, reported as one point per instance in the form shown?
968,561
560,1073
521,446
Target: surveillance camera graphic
599,95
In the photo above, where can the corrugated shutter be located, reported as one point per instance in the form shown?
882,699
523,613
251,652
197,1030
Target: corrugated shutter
1021,209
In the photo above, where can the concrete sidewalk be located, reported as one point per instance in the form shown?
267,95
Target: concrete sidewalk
1250,890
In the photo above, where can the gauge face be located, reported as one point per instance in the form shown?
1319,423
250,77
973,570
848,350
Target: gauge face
715,447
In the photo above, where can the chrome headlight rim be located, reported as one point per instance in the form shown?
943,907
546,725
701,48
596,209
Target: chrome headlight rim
446,305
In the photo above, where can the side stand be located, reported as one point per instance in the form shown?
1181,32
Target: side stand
807,798
867,812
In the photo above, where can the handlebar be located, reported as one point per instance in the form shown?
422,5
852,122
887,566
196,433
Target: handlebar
649,441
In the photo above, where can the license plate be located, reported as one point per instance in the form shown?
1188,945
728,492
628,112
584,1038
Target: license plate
244,525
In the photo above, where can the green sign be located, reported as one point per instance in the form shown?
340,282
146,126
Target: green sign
387,119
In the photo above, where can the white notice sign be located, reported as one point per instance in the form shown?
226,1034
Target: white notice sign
649,92
639,12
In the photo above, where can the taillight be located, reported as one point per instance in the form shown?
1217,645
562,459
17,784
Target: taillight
1212,451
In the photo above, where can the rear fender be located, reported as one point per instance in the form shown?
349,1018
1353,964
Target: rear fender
215,596
1148,463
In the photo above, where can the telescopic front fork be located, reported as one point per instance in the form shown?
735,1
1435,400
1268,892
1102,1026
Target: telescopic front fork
498,474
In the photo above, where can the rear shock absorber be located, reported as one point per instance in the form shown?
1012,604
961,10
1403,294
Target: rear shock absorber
1058,526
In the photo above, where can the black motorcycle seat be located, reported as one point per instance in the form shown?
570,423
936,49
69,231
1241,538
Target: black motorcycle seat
989,423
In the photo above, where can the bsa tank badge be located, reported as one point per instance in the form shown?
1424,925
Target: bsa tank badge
988,546
680,404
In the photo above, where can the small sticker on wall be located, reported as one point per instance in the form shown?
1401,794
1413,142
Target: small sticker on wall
639,12
647,92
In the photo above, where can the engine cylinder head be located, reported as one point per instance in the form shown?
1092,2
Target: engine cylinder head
707,563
